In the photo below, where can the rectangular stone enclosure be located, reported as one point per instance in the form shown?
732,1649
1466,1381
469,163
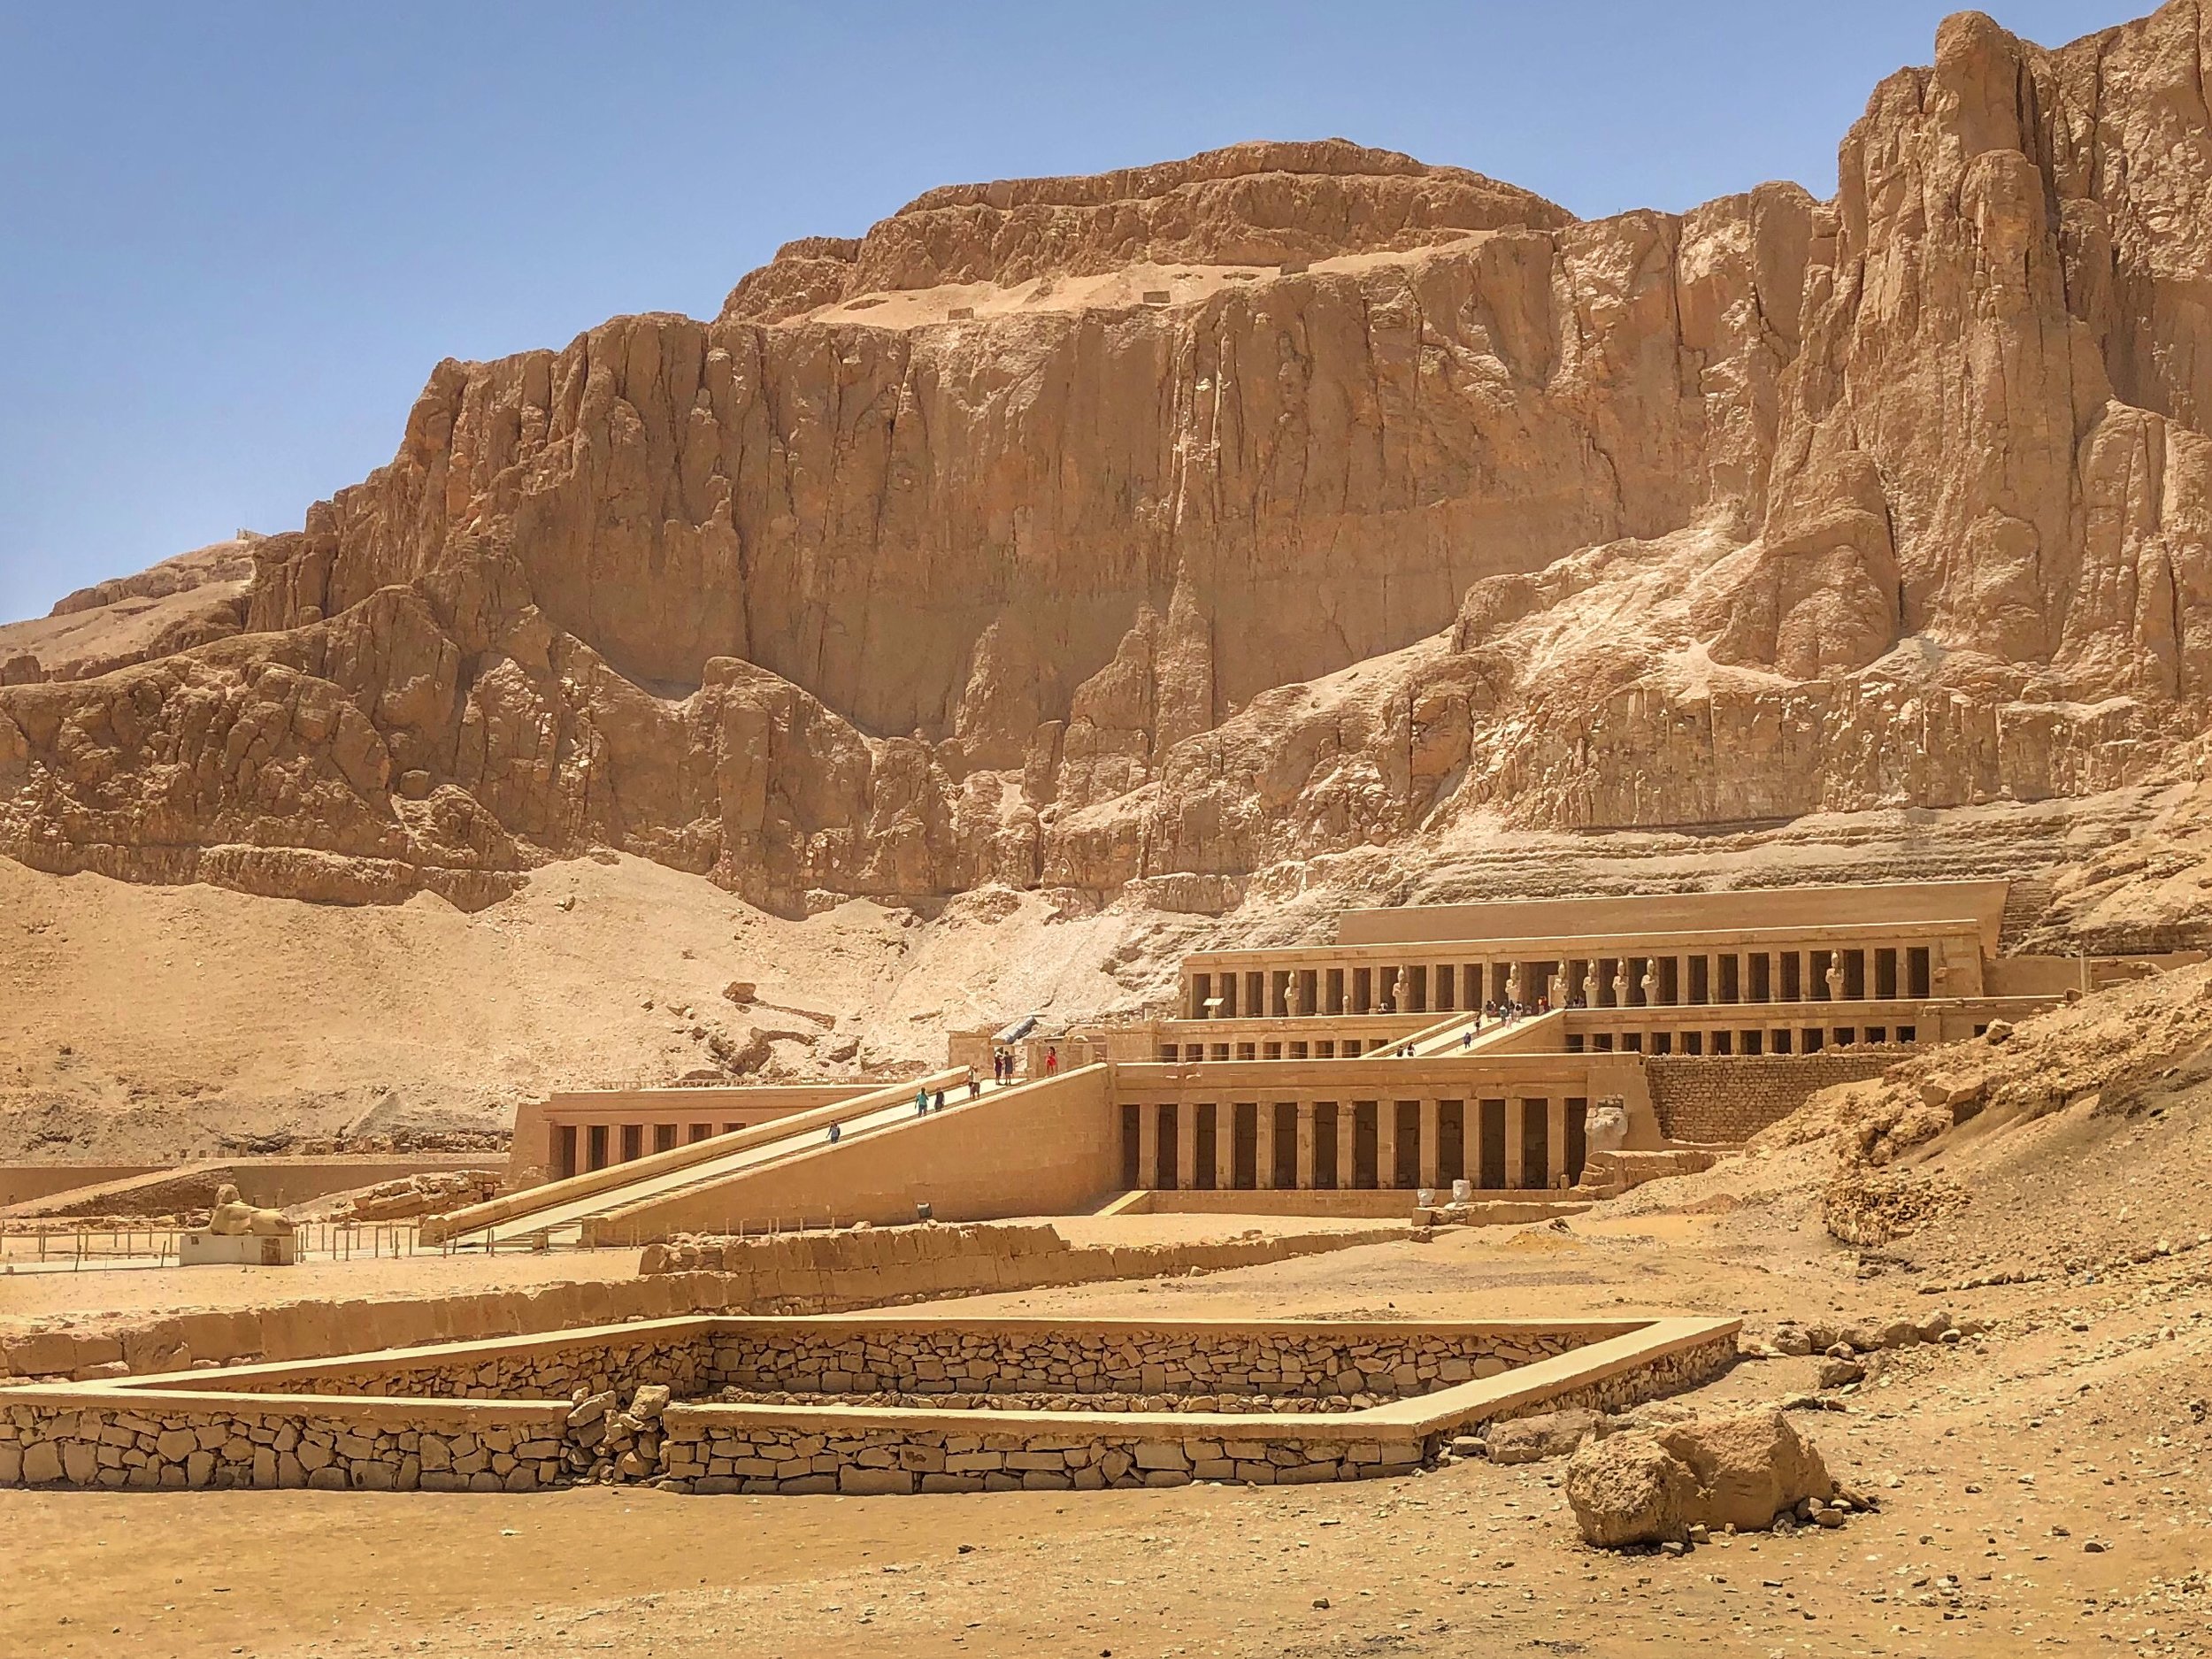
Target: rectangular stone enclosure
870,1405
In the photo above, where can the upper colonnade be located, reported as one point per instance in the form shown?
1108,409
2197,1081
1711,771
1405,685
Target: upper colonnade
1903,942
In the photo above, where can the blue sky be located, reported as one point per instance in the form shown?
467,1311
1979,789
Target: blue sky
234,238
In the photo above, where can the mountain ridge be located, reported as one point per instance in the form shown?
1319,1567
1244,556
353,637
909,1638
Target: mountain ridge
1290,499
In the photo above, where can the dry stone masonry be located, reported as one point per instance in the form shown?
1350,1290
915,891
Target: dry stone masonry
607,1405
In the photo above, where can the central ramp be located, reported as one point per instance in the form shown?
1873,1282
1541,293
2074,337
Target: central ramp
1466,1034
1019,1148
1049,1146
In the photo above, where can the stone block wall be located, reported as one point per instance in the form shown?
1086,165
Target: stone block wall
1656,1378
1148,1361
147,1440
711,1450
1721,1100
542,1371
146,1444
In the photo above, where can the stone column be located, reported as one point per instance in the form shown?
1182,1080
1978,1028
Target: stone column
1149,1144
1555,1139
1516,1121
1386,1144
1432,1133
1186,1145
1305,1145
1263,1148
1347,1145
1470,1142
1226,1146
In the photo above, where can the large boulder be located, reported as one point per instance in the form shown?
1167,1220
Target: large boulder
1630,1489
1651,1486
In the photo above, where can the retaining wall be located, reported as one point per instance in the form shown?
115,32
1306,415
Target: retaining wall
22,1183
1719,1101
273,1183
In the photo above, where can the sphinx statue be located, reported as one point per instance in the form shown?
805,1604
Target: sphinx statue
233,1219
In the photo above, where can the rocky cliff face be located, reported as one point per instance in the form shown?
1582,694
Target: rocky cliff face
1291,499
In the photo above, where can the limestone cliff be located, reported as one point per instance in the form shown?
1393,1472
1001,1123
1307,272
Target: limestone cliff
1290,499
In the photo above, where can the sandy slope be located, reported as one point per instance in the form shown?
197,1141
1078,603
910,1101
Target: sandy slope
140,1020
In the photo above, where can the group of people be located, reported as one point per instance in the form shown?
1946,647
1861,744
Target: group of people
1005,1068
1491,1014
1507,1013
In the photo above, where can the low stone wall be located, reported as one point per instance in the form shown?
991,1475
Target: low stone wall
1664,1374
731,1448
703,1454
148,1444
881,1267
1719,1101
822,1272
542,1368
1326,1362
164,1433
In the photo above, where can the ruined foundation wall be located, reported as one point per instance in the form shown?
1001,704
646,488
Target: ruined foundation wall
145,1441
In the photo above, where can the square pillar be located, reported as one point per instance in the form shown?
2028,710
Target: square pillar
1225,1145
1149,1145
1432,1133
1263,1149
1386,1144
1516,1137
1554,1140
1347,1145
1186,1145
1305,1145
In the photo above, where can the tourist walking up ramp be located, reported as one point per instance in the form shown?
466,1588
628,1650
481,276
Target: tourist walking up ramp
557,1209
1468,1034
1050,1145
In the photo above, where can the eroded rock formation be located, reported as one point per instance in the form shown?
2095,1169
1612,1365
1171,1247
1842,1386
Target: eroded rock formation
1289,499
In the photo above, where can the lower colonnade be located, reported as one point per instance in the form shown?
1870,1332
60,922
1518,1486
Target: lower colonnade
1512,1142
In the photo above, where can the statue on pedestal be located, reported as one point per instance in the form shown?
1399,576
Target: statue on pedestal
233,1219
240,1235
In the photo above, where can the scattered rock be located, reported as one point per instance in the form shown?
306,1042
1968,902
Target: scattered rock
1533,1439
